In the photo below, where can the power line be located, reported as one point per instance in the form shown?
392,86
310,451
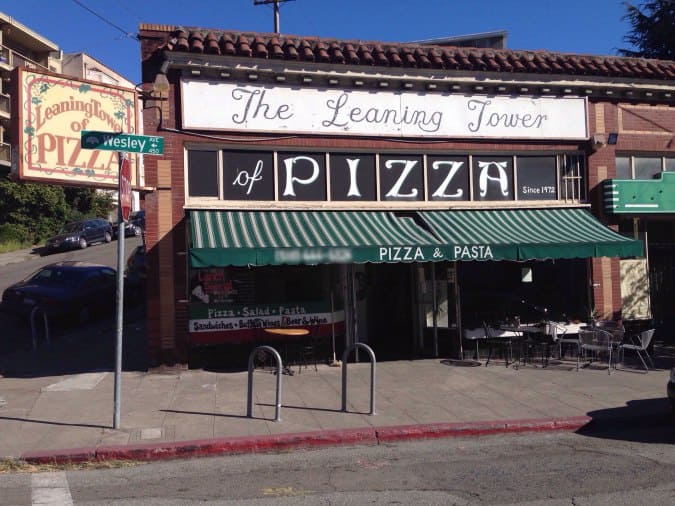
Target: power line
107,21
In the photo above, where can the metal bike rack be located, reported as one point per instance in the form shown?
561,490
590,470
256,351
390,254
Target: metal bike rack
33,325
373,362
249,403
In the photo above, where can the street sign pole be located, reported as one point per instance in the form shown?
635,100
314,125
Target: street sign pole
122,143
120,297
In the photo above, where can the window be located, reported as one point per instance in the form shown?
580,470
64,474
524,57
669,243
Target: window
202,173
643,166
647,168
572,178
284,176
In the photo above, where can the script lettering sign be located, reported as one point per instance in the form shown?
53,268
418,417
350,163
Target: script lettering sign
217,105
248,175
302,176
448,178
352,177
401,177
492,178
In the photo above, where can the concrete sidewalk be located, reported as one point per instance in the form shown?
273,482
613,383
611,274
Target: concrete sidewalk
195,412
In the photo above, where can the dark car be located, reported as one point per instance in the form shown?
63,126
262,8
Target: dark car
671,389
75,291
80,234
130,230
137,218
135,272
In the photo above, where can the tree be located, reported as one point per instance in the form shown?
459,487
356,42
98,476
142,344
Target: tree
653,29
32,211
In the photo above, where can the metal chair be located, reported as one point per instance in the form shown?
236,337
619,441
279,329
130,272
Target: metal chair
639,345
598,342
502,340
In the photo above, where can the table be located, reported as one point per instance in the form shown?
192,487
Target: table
532,335
286,332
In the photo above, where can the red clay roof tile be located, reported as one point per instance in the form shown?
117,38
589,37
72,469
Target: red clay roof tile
409,55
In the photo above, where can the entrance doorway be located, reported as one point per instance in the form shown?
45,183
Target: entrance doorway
390,310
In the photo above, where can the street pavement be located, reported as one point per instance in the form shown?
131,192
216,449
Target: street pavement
56,409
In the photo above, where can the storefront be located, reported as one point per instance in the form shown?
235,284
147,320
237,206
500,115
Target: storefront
381,204
642,199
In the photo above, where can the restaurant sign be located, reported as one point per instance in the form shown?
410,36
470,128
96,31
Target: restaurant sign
368,177
238,317
640,196
53,110
214,105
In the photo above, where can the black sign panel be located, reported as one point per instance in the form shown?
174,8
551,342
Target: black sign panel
248,175
493,178
448,177
302,176
537,178
401,177
352,177
203,173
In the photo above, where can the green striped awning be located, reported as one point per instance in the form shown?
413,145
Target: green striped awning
526,234
221,238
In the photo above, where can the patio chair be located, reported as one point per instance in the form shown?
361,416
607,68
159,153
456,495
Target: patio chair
501,340
597,342
639,345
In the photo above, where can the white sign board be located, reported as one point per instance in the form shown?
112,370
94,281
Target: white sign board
214,105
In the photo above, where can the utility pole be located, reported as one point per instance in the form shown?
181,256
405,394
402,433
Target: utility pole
276,10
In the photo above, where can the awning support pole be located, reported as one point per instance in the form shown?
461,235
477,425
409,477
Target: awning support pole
434,304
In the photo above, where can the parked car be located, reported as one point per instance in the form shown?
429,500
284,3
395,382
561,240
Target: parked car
130,229
80,234
671,389
138,218
73,290
135,273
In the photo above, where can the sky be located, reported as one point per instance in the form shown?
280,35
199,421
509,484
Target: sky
107,34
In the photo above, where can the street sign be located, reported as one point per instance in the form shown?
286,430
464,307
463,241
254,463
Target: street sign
125,186
113,141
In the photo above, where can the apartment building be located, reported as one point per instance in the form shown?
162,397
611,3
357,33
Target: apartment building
20,47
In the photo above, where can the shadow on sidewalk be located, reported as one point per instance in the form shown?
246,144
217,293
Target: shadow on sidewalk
90,348
49,422
642,421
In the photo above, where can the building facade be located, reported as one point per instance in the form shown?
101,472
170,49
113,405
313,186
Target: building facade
392,193
19,47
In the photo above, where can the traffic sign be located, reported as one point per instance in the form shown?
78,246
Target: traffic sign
125,186
115,141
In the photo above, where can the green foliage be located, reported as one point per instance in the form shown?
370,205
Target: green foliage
30,212
652,29
14,234
87,203
38,210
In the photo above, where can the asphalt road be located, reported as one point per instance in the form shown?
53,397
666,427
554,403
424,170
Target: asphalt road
635,466
16,333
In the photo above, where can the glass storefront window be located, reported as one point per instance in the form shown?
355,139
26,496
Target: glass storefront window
273,176
670,164
647,168
623,168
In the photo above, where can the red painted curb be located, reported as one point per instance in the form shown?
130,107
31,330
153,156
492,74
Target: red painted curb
438,430
284,442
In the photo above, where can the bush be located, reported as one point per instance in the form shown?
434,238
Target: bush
14,233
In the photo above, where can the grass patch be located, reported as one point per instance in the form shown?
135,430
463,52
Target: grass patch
21,466
9,246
